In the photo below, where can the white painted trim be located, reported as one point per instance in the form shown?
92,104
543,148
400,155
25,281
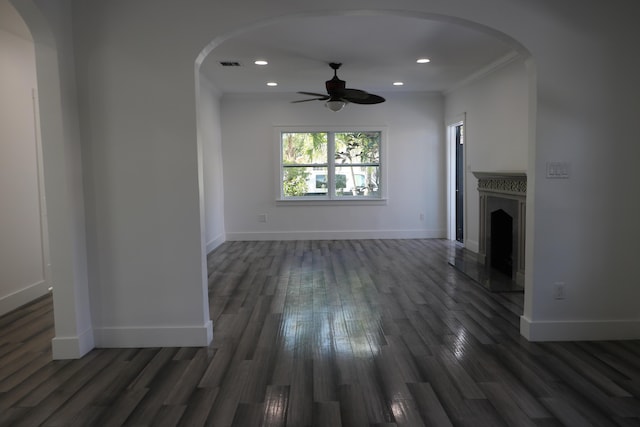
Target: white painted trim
579,330
342,201
530,215
42,200
215,242
64,348
472,245
23,296
337,235
176,336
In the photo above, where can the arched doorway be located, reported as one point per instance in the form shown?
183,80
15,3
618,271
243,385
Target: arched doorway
23,234
62,179
525,58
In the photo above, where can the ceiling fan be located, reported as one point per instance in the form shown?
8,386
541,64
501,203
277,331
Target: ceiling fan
338,95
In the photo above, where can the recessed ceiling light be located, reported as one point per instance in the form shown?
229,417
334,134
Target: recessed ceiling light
423,61
398,83
260,62
273,84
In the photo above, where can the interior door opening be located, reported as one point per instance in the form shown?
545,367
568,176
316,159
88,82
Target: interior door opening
459,143
456,179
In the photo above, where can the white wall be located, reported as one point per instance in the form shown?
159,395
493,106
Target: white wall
496,130
144,201
135,60
414,168
209,135
22,261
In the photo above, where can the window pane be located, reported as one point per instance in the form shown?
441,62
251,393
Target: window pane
304,148
357,147
304,181
357,181
353,170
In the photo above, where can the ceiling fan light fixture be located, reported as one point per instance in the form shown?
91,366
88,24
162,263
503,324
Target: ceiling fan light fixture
335,104
338,95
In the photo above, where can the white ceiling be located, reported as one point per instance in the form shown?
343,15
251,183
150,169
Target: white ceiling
375,52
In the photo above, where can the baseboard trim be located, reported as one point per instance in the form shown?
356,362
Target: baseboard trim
181,336
337,235
72,347
23,296
213,244
579,330
472,245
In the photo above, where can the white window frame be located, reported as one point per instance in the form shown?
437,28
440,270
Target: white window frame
331,198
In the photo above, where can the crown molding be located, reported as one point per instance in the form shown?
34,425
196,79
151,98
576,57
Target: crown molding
483,72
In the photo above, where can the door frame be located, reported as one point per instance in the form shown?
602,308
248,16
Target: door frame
451,125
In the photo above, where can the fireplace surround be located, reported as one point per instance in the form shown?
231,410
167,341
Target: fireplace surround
502,222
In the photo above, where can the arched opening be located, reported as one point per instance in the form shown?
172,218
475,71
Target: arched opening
527,87
23,230
62,190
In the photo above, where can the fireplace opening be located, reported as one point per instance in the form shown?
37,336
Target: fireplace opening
501,255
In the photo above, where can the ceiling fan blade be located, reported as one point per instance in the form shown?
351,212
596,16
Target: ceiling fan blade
354,93
368,99
324,98
314,94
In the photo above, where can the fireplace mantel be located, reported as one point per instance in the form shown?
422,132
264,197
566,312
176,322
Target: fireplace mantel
514,183
495,189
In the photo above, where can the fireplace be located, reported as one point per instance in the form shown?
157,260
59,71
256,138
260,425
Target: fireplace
502,222
501,241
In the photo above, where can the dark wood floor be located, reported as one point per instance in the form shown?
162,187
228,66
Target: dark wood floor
328,333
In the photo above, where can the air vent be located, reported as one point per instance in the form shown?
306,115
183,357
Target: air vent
230,63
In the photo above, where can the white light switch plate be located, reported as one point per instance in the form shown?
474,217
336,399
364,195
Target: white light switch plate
558,169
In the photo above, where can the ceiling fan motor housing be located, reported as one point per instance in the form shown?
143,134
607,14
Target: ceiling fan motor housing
335,86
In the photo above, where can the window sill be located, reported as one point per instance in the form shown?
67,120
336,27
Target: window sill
332,202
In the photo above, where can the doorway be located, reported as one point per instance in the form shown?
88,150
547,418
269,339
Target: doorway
459,141
456,182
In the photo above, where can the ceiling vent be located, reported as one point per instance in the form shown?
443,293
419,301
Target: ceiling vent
230,63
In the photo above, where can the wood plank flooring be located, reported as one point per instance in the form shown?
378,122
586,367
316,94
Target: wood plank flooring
328,333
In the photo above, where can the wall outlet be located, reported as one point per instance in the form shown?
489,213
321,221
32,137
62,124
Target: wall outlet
421,216
559,290
262,217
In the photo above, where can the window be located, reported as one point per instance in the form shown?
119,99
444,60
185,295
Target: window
332,165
